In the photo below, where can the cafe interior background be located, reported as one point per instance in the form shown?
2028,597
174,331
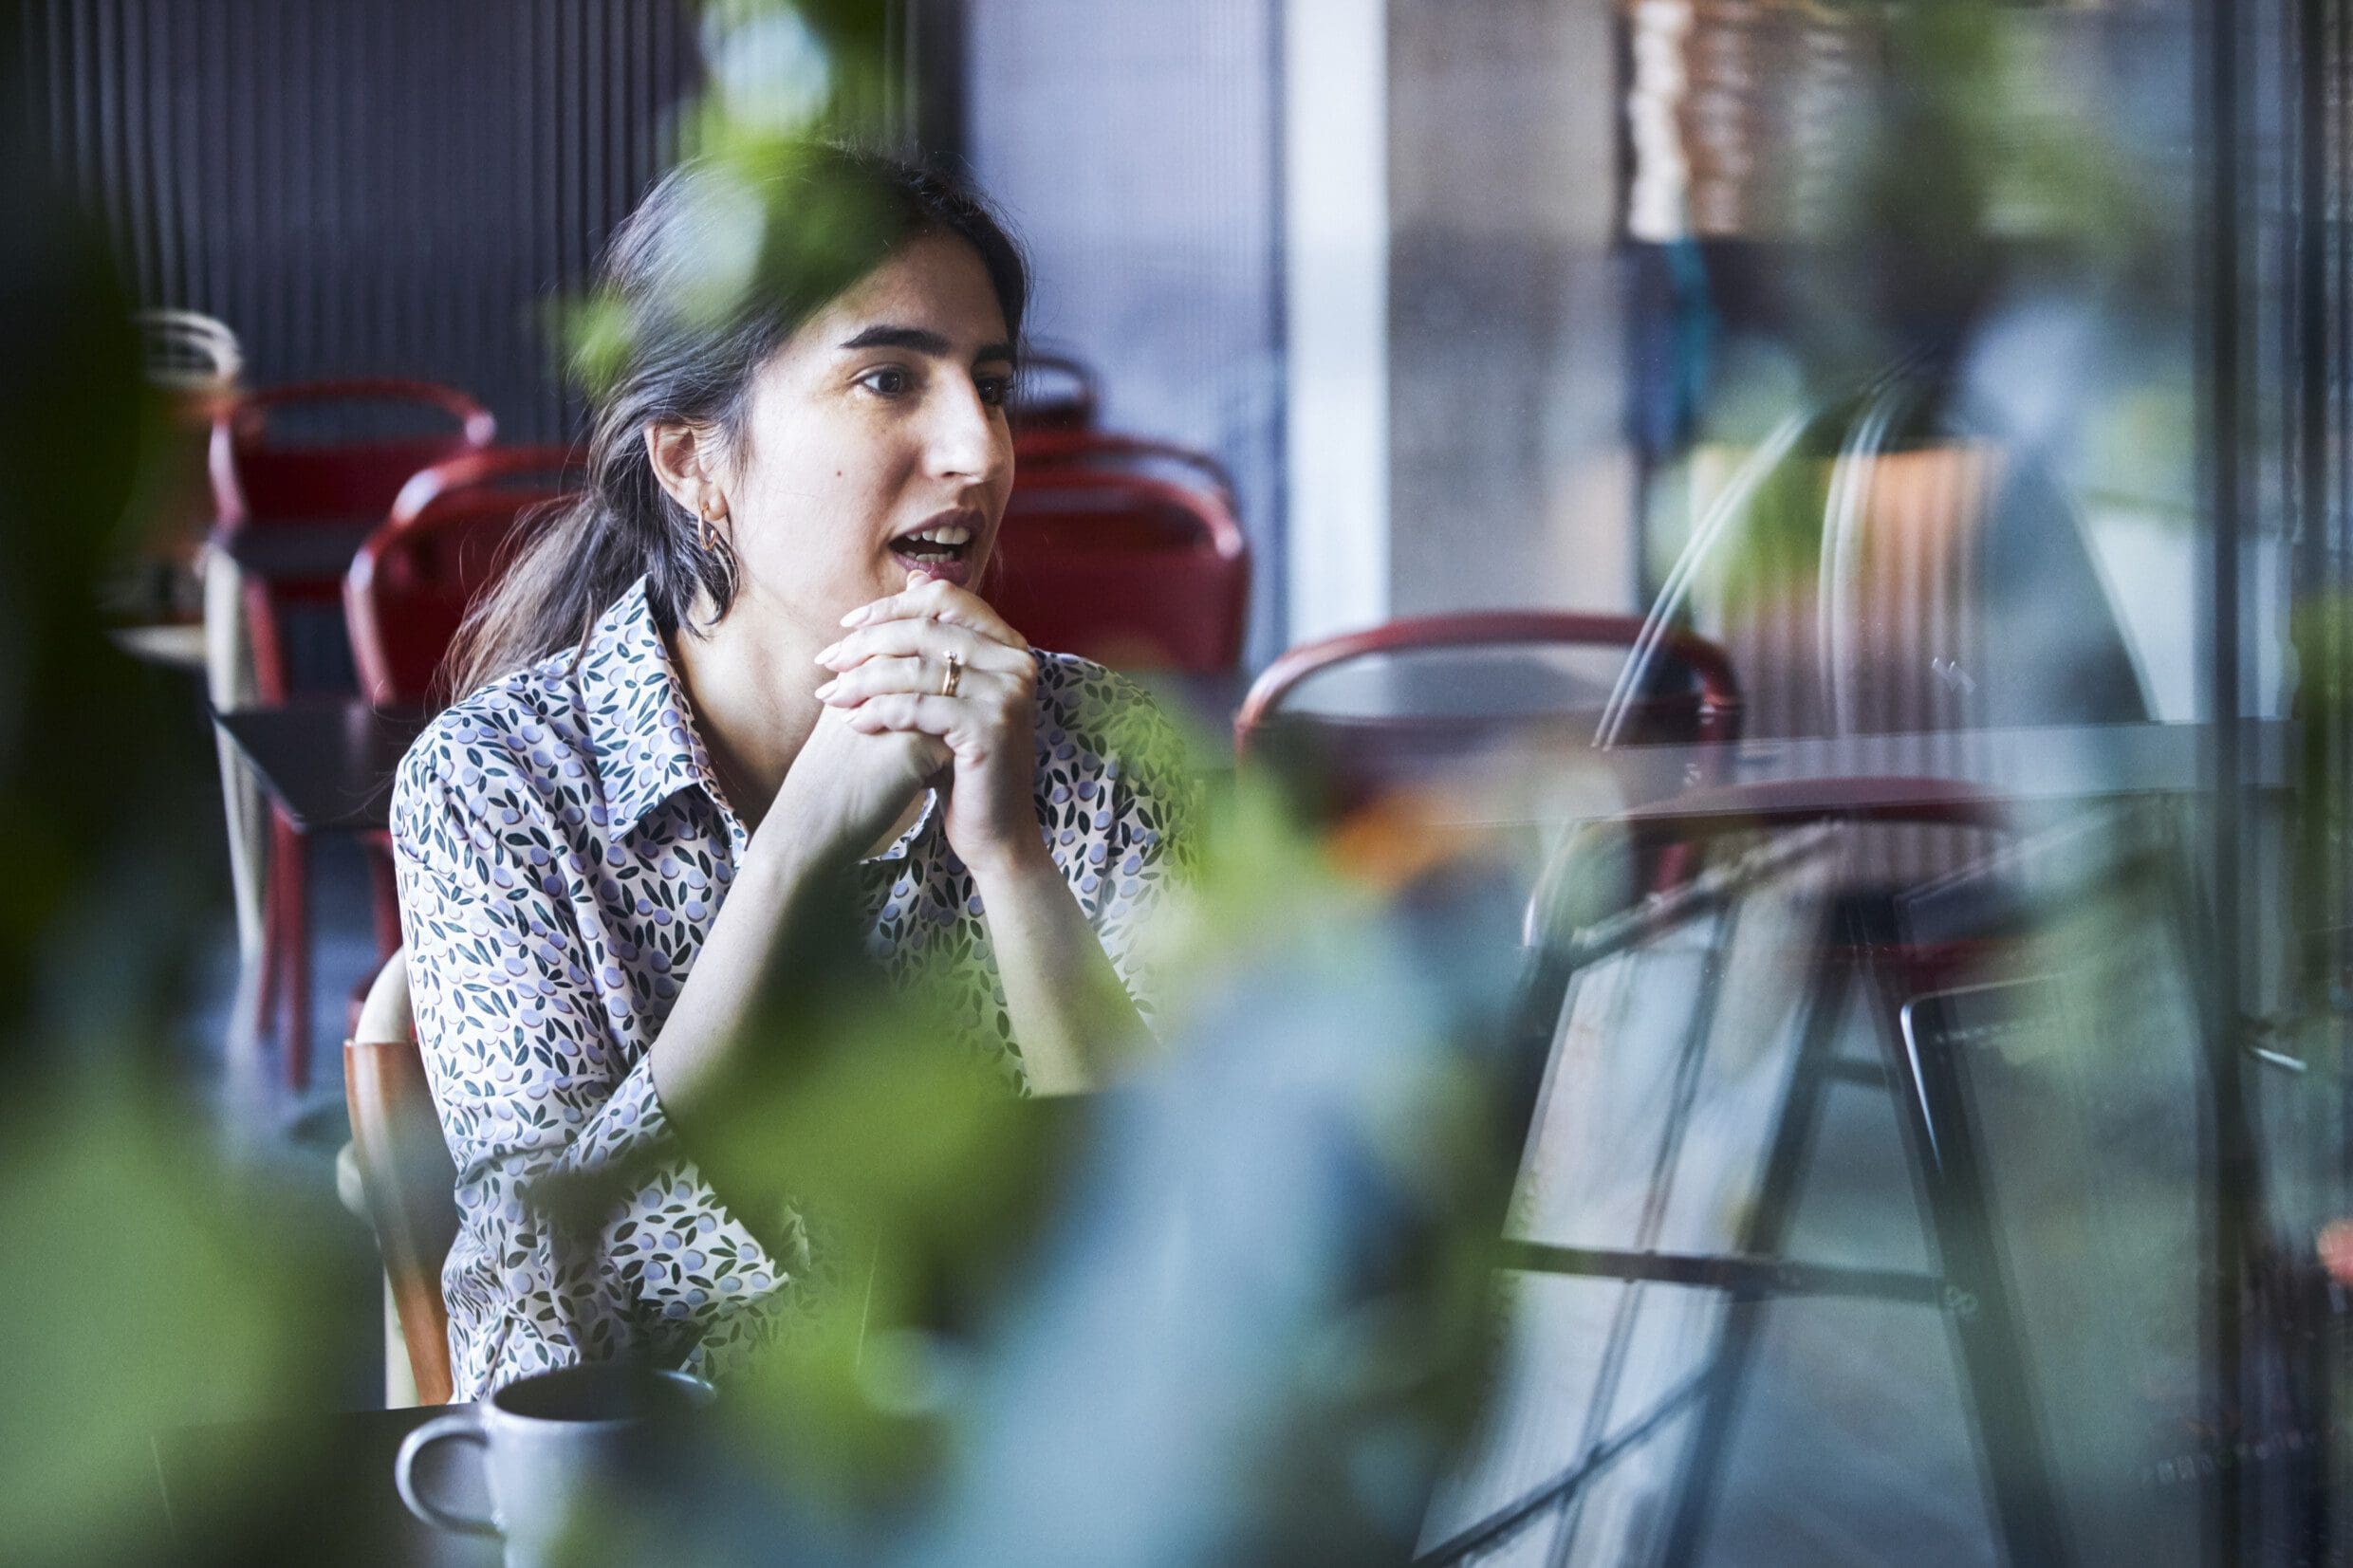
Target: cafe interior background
1791,1007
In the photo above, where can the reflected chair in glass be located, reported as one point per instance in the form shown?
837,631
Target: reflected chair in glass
407,1186
1771,928
194,362
451,534
1351,717
264,486
1135,572
189,348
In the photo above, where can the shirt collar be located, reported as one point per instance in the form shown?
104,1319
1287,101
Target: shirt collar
646,749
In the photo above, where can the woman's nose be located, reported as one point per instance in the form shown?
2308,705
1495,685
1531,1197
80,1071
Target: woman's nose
964,442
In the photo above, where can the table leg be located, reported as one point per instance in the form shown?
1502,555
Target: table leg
230,682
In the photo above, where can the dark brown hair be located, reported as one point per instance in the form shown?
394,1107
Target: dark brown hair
823,220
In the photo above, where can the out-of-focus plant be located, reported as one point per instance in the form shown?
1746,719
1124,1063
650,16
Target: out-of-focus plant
1975,169
786,76
1235,1305
151,1285
2321,634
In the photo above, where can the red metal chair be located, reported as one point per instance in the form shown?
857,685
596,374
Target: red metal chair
452,532
445,541
1692,699
1123,568
259,485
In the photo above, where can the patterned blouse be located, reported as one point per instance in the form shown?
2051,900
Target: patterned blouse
562,852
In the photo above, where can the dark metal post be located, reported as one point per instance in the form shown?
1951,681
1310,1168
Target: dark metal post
2221,142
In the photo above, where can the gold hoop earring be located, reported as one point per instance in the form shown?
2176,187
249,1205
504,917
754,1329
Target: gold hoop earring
703,520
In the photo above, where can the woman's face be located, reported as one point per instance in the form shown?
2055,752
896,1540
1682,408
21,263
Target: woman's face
875,442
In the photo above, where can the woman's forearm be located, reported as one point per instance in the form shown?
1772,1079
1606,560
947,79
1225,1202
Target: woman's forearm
1073,1017
693,1061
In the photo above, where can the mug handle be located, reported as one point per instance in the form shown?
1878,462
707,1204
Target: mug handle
459,1427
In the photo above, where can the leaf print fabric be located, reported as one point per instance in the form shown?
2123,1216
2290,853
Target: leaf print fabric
562,852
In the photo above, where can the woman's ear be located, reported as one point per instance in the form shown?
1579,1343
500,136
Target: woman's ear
686,464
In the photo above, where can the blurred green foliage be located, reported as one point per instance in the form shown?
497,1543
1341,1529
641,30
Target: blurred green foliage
1975,166
151,1285
786,78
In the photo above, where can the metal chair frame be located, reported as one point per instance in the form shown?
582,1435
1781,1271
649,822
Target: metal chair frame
1966,1286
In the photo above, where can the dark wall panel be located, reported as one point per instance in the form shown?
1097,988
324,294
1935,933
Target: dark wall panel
368,187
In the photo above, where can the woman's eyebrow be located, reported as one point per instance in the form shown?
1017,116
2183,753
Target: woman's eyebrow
914,339
917,339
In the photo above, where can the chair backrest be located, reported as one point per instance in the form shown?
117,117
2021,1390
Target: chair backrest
258,482
188,351
405,1171
1051,453
1126,569
1056,391
1412,722
451,532
193,362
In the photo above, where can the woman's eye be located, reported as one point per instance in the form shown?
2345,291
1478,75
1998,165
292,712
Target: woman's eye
887,381
995,390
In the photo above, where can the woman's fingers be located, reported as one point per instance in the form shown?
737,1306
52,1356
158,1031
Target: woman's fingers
918,675
947,717
928,597
974,724
931,640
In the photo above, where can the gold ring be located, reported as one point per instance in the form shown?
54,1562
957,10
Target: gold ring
955,677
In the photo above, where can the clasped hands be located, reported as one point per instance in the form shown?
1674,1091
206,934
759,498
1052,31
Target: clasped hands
892,674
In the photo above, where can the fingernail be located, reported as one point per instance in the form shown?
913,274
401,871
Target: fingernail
825,690
854,616
826,653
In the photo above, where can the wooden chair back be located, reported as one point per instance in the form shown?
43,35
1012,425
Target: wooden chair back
405,1171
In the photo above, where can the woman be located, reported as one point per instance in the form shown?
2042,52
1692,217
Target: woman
750,662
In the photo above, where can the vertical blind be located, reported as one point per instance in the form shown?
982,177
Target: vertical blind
371,187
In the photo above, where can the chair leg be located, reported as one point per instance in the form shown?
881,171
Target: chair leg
231,683
272,679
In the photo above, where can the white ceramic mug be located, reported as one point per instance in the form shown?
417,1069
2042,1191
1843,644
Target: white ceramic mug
556,1447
